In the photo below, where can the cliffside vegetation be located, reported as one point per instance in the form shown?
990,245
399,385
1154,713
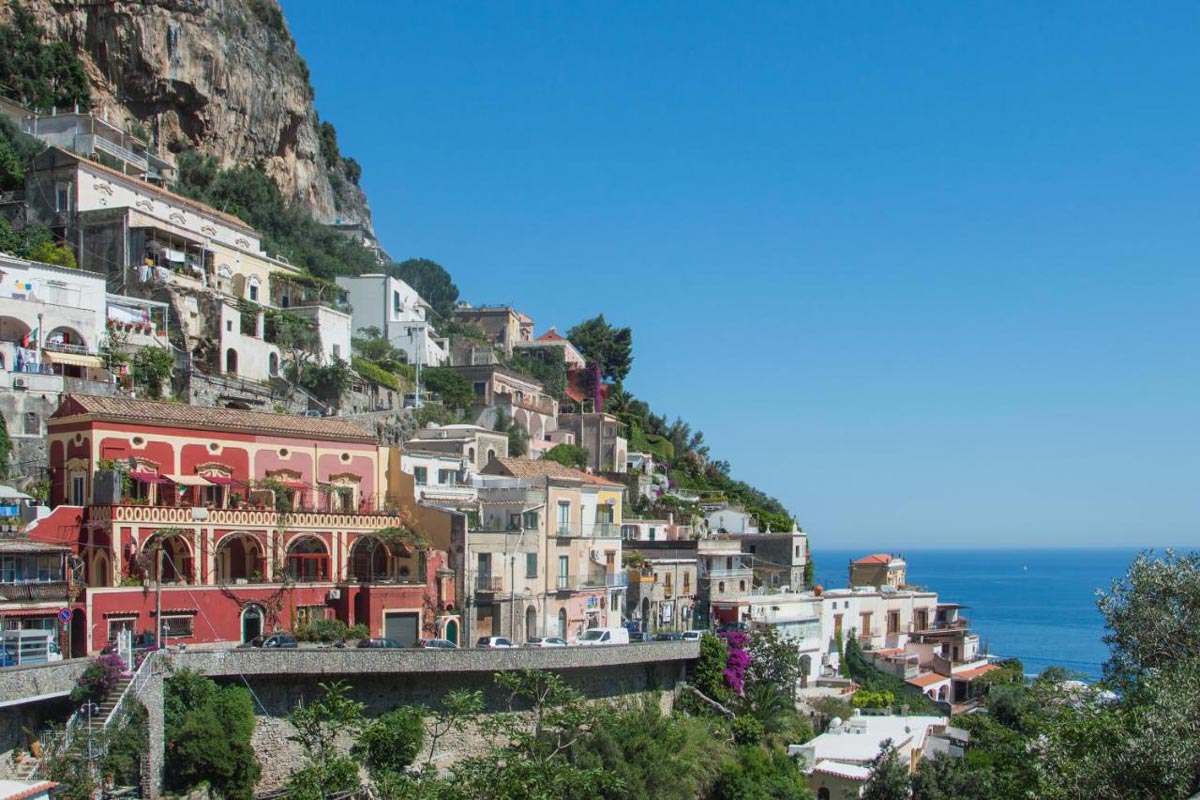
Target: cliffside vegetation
39,75
249,193
691,469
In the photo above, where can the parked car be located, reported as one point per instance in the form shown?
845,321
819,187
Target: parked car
668,637
378,644
545,641
693,636
729,627
494,643
597,636
434,644
274,641
639,636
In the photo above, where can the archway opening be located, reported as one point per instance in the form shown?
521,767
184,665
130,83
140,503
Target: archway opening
562,623
370,560
253,622
308,560
176,563
231,361
240,558
530,622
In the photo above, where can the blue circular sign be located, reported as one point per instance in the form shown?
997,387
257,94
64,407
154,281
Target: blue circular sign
64,615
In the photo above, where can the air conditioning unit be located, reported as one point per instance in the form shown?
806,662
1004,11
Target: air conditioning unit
19,383
334,594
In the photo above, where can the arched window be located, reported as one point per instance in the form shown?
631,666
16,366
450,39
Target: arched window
307,560
741,586
562,623
240,559
273,364
369,560
491,455
721,587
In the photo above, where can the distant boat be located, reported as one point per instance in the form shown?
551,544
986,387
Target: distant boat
1025,568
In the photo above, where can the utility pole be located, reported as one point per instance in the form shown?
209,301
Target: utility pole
158,625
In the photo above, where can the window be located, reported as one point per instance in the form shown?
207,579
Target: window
229,326
893,622
564,569
254,292
721,587
77,490
448,477
530,520
421,474
176,627
797,551
668,590
687,583
514,521
564,518
119,624
483,565
653,534
531,565
865,628
337,351
397,306
62,197
33,425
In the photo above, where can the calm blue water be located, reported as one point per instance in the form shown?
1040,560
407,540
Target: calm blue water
1035,605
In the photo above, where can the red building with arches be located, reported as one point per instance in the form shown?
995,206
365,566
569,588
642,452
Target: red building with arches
239,523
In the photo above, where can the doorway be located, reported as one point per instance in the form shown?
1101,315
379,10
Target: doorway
252,622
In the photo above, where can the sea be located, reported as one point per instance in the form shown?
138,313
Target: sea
1035,605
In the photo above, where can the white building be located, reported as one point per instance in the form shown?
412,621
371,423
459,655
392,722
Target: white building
395,308
441,479
221,280
882,620
731,520
838,761
795,617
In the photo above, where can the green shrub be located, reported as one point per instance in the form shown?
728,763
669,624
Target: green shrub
330,630
391,742
208,731
569,455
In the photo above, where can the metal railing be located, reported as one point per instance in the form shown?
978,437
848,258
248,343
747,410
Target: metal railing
488,583
140,678
33,591
567,583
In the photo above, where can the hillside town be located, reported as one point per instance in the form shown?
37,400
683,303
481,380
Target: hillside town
222,501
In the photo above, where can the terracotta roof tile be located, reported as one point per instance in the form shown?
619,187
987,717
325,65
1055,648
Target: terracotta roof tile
551,335
201,418
527,468
877,558
972,674
928,679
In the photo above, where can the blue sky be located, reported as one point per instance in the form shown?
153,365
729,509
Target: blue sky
929,276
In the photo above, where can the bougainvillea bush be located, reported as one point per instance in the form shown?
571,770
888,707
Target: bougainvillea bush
737,661
98,679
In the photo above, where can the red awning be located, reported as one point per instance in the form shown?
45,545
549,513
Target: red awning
149,477
294,484
222,480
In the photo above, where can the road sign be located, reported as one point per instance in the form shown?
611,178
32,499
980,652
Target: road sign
64,615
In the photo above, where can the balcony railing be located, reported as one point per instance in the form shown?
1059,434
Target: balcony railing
617,581
588,530
66,347
186,515
34,592
570,583
736,572
488,583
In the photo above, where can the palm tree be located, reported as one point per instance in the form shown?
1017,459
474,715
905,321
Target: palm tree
770,705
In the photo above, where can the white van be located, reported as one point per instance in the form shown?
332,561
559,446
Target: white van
604,636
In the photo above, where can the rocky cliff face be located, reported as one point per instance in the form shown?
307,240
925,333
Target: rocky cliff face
220,76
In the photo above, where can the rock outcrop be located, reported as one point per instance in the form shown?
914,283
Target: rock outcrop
220,76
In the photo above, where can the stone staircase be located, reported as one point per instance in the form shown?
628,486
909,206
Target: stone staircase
26,766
